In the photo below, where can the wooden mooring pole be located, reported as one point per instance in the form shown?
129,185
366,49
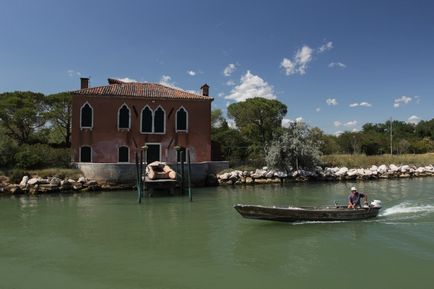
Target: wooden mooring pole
190,194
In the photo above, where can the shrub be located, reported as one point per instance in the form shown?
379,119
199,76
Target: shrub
16,175
38,156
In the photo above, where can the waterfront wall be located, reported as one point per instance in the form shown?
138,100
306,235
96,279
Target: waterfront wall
119,173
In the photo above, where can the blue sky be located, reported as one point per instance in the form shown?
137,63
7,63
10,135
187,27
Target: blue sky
335,64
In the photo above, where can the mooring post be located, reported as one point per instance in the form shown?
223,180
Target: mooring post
181,155
139,197
141,174
190,194
145,149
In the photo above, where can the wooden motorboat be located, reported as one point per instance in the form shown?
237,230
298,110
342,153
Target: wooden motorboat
302,214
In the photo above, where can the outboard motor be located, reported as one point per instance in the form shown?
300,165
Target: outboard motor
376,204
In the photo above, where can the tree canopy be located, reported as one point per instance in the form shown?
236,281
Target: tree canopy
258,119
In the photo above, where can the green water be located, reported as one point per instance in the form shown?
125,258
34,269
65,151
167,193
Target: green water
107,240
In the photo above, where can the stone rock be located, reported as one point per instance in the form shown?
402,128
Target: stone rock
342,171
55,181
81,180
393,168
269,174
249,180
280,174
24,181
33,181
382,169
71,181
373,168
405,168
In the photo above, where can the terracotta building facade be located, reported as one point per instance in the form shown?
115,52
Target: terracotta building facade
111,123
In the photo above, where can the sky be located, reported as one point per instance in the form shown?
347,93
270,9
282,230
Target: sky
336,64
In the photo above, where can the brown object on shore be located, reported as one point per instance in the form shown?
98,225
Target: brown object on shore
160,170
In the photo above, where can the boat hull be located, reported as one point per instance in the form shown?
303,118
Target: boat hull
302,214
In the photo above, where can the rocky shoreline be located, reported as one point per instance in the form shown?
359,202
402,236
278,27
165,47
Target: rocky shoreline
37,185
265,175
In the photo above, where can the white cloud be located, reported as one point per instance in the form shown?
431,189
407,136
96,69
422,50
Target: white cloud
73,73
350,123
286,122
230,82
299,63
167,81
229,69
191,72
338,133
331,101
337,123
354,130
337,64
231,123
413,119
317,109
251,86
363,103
325,47
126,79
417,98
221,94
401,100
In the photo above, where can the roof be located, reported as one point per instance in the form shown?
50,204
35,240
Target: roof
140,89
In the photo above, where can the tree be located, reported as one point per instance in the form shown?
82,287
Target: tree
298,146
217,118
22,114
60,115
258,119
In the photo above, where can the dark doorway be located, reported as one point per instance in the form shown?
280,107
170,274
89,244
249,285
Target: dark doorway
153,152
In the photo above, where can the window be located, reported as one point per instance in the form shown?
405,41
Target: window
124,117
181,120
86,116
146,124
85,154
123,154
159,120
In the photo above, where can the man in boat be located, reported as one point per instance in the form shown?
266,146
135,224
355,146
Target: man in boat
355,197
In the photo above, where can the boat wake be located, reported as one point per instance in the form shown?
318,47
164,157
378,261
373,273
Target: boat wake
407,208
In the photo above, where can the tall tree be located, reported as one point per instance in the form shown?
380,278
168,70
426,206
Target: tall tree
60,115
258,119
298,147
22,114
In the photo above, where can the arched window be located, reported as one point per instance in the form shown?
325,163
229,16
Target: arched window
85,154
146,124
181,120
124,117
86,116
159,119
123,154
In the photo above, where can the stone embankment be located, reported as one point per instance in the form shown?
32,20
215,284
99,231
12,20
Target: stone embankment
261,176
38,185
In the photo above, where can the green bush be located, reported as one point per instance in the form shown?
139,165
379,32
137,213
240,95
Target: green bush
16,175
39,156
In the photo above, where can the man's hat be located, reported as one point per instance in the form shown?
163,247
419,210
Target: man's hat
353,189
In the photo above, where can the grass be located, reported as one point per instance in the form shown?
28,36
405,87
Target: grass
363,161
58,172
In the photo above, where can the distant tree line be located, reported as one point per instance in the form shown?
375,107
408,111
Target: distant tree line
35,130
256,137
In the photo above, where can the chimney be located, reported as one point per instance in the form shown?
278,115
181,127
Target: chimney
204,89
84,81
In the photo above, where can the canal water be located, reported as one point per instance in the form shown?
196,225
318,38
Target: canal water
107,240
